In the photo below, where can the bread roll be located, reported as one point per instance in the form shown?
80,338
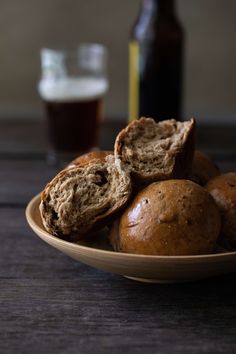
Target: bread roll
156,151
81,199
223,190
175,217
203,168
93,155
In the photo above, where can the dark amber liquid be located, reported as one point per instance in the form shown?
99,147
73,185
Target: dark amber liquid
161,43
161,76
73,126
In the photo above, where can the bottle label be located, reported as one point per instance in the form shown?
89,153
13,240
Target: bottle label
133,80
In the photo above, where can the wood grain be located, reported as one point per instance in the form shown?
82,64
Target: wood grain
52,304
55,304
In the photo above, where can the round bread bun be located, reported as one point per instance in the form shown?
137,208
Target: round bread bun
223,190
174,217
203,168
93,155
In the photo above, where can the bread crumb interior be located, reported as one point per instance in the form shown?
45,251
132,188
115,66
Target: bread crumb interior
83,194
154,146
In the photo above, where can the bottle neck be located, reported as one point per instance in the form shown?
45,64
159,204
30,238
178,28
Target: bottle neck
161,8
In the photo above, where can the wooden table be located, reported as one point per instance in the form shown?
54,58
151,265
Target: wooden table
52,304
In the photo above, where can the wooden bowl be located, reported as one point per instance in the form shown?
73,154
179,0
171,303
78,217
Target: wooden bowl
155,269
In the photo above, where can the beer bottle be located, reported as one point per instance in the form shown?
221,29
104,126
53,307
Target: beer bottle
155,62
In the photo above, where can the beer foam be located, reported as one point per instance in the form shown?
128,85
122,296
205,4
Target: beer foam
72,89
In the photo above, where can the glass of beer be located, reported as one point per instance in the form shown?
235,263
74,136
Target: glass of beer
72,86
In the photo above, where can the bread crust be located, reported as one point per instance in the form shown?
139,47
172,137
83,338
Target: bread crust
59,200
223,190
92,155
203,168
174,217
180,156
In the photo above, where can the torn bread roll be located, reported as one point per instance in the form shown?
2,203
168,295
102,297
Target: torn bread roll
83,199
156,151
